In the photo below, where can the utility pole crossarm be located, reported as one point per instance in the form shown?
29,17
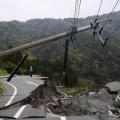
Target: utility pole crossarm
46,40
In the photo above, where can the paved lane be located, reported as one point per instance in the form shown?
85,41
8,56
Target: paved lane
32,112
8,93
13,95
19,88
24,85
22,108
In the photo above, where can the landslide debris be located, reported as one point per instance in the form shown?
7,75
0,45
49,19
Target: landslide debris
101,105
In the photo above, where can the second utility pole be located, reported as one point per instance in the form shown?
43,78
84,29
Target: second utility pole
65,63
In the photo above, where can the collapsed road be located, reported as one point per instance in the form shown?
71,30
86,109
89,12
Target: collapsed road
18,89
46,102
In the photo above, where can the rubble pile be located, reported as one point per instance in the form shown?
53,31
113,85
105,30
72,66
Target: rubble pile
101,105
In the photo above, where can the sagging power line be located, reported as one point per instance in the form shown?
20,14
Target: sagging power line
99,10
77,12
109,15
99,32
108,37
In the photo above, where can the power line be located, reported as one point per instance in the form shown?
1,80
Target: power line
107,38
109,15
76,12
113,31
76,4
99,10
76,8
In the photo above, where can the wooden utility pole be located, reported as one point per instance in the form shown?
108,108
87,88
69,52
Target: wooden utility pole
65,75
48,39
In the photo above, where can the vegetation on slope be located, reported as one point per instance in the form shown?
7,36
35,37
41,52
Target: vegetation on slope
3,72
2,88
98,65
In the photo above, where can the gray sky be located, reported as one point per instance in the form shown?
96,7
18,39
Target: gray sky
28,9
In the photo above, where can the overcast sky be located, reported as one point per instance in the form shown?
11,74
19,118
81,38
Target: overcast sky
29,9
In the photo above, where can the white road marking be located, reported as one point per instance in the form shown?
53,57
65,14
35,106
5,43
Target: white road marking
63,118
32,83
19,112
13,96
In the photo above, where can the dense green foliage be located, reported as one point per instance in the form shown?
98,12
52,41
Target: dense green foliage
88,60
71,91
9,62
2,88
3,72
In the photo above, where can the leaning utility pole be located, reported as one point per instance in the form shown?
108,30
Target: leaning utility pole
49,39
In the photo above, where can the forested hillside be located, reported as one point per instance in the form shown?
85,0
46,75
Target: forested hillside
87,58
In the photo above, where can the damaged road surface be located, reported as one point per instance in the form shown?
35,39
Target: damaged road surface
18,89
46,103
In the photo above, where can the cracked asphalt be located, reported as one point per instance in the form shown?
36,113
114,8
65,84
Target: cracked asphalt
21,87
